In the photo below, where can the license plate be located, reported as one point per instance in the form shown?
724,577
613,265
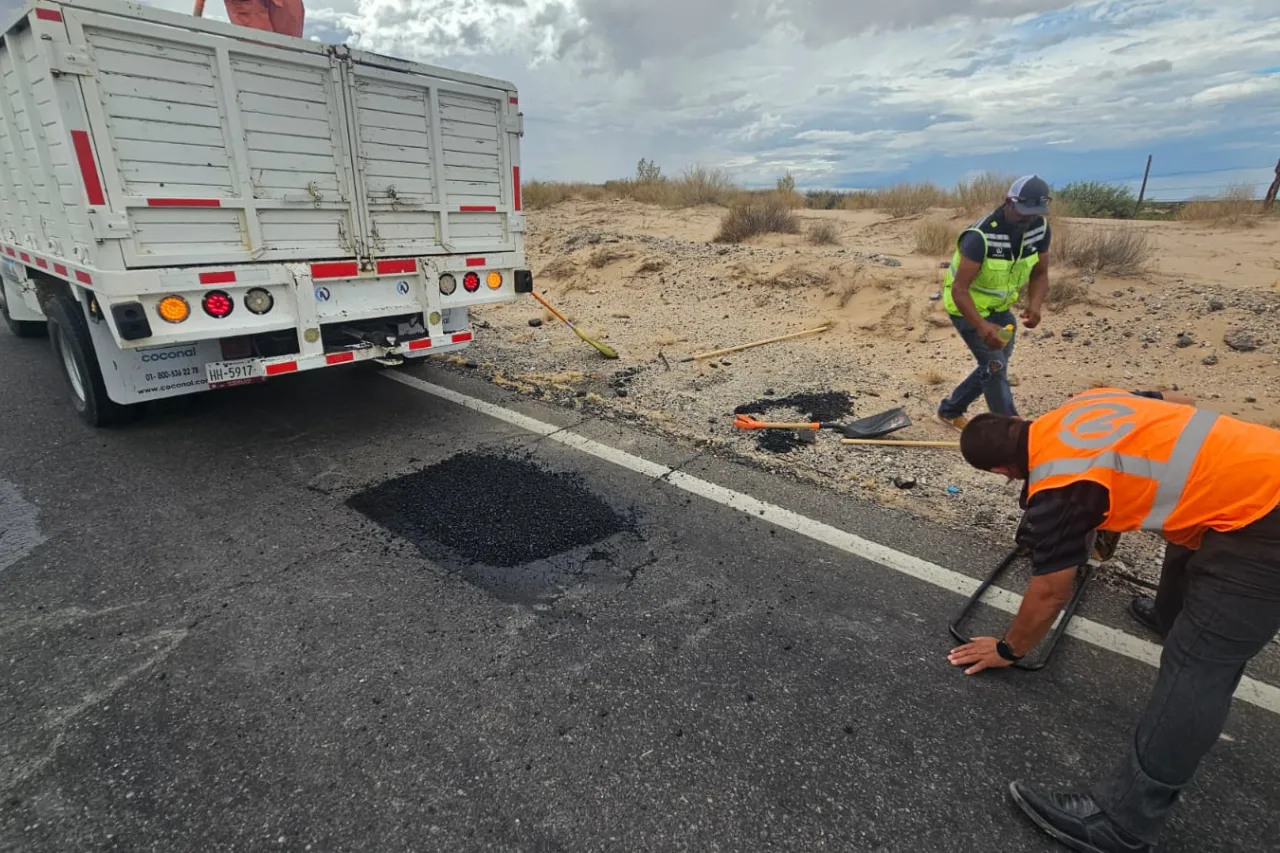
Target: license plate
224,372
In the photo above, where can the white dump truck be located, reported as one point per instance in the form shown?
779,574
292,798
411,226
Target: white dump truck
187,205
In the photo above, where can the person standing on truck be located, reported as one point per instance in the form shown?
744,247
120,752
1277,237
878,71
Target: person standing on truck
275,16
1209,484
994,259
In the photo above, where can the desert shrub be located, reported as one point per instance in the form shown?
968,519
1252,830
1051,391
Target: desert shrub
1237,206
824,200
699,185
936,237
539,195
1096,200
746,219
983,192
908,199
1119,250
823,232
859,200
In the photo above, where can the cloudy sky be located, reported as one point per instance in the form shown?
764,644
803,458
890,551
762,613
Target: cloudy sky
851,93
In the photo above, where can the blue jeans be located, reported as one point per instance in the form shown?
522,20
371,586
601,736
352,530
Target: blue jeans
990,378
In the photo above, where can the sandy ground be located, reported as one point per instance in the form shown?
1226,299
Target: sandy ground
649,282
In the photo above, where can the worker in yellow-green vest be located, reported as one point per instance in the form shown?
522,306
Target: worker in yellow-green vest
995,258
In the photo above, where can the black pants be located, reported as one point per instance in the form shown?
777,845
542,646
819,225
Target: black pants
1221,606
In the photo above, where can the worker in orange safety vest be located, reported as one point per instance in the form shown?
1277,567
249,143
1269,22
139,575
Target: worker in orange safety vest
275,16
1120,461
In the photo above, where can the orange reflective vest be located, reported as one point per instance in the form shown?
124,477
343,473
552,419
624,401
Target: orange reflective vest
1171,469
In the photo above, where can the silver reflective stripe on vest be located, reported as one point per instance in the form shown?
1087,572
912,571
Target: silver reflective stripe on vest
1171,477
1138,466
1003,294
1178,469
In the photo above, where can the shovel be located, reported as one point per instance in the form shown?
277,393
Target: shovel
604,349
872,426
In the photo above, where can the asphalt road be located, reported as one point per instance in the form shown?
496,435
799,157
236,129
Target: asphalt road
213,641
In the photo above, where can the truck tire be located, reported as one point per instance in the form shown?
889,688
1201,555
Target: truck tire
72,346
20,328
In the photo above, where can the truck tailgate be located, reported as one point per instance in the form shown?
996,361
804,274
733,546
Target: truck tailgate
218,149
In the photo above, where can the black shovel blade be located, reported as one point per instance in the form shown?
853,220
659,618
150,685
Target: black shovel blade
877,426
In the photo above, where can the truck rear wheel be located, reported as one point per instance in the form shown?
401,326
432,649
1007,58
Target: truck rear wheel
20,328
69,334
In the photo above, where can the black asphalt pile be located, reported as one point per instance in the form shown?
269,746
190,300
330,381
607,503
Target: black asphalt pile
491,509
807,407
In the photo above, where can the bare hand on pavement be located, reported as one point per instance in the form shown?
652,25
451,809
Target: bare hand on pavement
977,654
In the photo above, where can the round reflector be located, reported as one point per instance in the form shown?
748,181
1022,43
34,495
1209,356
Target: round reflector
471,282
259,301
173,309
217,304
448,284
494,280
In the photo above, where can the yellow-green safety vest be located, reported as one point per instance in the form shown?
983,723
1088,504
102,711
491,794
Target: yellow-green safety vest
1003,274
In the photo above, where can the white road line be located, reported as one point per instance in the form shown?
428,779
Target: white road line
1250,690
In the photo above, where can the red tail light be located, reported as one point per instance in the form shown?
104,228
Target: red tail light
471,282
217,304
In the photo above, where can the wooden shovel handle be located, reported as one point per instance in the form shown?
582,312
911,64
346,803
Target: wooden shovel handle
894,442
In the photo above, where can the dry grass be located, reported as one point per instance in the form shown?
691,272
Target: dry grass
936,236
767,215
823,232
1066,290
651,265
933,376
910,199
1237,207
538,195
848,286
1117,249
983,193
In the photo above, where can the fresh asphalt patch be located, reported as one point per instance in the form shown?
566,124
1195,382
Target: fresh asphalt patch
514,528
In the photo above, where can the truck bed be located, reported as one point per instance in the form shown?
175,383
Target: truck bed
133,138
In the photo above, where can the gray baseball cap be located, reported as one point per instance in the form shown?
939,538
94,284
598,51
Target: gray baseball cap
1030,195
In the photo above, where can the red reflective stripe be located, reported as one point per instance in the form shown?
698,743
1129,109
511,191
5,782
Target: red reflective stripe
461,337
515,181
477,208
184,202
340,357
223,277
26,259
88,168
408,265
42,263
60,269
420,343
84,277
49,15
340,269
284,367
10,252
513,100
475,262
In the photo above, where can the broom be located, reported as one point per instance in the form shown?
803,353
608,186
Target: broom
604,349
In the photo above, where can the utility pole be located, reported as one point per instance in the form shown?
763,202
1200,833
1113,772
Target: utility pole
1270,199
1143,192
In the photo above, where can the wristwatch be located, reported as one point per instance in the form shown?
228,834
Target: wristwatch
1006,651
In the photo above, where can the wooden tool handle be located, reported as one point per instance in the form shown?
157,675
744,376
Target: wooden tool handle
547,305
899,442
716,352
771,425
